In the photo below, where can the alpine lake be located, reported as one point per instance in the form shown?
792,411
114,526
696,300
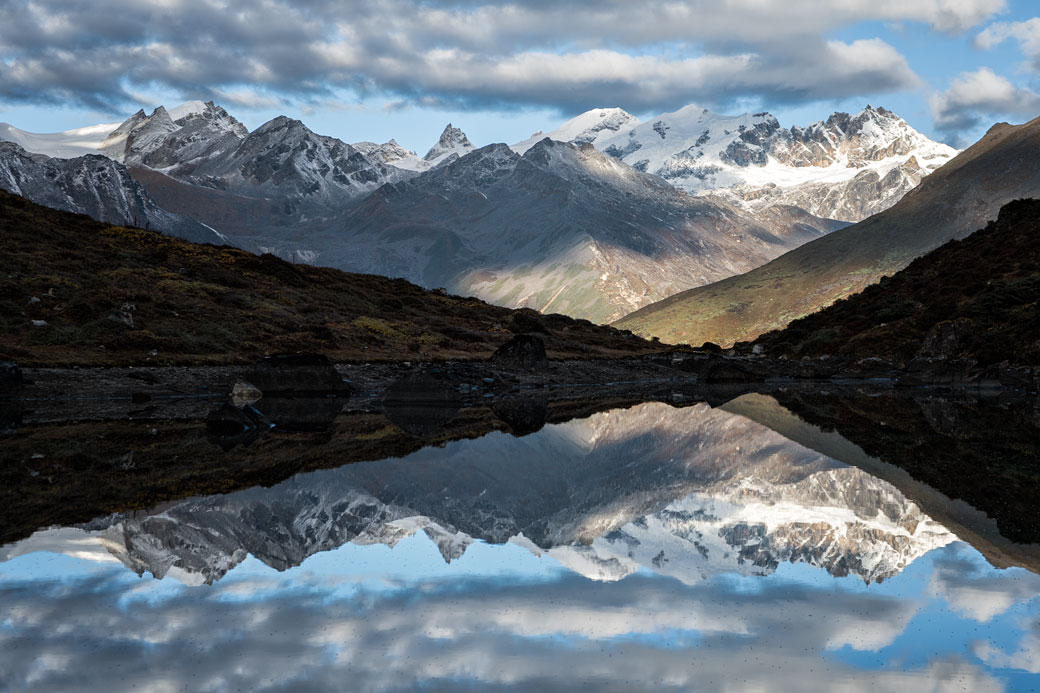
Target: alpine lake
789,538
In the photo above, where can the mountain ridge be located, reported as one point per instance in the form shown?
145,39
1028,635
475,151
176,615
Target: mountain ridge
94,185
845,167
562,227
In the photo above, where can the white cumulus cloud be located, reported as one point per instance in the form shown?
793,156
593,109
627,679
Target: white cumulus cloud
1026,33
973,97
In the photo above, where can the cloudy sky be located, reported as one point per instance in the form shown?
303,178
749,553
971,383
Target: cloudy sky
377,69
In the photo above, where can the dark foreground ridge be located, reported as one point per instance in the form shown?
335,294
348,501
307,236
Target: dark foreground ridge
970,304
74,291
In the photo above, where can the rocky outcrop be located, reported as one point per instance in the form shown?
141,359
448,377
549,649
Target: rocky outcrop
524,351
949,338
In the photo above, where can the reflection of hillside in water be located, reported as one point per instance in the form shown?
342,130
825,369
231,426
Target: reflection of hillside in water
685,492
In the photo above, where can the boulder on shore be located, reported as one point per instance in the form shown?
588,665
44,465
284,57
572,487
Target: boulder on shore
524,351
949,338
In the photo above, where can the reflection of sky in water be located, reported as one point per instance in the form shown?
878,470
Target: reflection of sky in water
372,617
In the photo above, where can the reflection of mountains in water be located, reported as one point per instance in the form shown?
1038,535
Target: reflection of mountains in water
685,492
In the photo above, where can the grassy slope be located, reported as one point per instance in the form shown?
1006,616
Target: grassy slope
950,203
196,304
989,281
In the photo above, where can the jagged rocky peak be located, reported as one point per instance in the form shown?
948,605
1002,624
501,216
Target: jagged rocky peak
452,141
177,137
281,122
208,115
137,134
584,162
872,135
478,171
846,167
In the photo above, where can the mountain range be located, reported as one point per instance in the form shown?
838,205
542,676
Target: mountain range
562,228
595,222
847,167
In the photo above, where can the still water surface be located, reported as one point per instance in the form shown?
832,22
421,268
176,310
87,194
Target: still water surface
647,548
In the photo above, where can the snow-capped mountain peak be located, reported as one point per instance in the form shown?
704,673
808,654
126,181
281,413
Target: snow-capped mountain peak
452,141
165,139
588,128
138,136
846,167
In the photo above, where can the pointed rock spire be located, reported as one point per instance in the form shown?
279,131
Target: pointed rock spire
452,141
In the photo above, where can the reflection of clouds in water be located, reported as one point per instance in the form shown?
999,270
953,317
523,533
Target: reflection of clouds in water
1026,656
977,591
273,633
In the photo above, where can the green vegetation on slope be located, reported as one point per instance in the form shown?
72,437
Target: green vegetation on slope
78,292
978,298
950,203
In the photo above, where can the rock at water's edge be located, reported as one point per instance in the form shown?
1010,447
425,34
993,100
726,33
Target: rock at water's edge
525,351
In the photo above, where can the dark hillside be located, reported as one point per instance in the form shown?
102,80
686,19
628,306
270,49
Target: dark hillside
977,298
74,291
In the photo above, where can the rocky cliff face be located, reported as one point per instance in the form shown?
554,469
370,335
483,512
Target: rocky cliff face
93,185
685,492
